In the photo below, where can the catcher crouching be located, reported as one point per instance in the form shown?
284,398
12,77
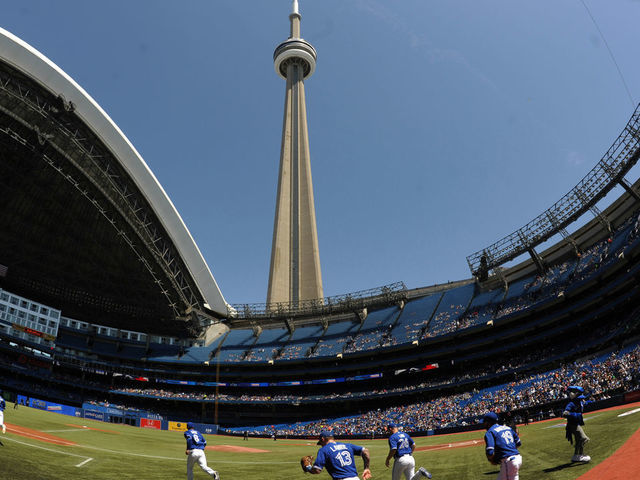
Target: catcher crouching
338,458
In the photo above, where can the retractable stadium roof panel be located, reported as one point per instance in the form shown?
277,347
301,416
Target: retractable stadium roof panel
84,224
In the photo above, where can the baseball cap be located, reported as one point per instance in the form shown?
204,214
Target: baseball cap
490,417
392,425
324,434
189,426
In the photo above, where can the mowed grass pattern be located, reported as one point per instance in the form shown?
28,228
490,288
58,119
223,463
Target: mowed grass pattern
122,452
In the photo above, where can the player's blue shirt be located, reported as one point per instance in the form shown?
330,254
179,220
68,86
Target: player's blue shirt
195,440
2,404
501,441
401,442
338,459
575,409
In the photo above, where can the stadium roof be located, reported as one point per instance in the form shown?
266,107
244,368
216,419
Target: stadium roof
84,223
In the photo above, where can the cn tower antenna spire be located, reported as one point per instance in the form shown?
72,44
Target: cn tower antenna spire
294,275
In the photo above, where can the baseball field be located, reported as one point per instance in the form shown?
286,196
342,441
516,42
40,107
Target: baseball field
48,446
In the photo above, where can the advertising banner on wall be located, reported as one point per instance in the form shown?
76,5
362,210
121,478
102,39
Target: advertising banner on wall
94,415
206,428
150,423
48,406
177,426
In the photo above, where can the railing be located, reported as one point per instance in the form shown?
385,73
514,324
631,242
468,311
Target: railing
349,302
610,171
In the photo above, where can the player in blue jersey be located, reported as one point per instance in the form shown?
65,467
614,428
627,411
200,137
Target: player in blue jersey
2,407
574,432
195,452
401,447
502,444
339,459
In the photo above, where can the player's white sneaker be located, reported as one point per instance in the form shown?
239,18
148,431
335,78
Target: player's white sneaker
215,475
424,472
584,458
4,428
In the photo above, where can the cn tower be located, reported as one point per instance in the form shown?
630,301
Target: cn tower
295,275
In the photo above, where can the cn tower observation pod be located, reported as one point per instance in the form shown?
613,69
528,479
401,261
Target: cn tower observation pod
84,223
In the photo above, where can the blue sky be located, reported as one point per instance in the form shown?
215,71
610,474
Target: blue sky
436,127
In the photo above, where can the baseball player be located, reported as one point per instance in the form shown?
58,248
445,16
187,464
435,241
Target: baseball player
401,447
2,407
502,444
574,432
195,452
339,459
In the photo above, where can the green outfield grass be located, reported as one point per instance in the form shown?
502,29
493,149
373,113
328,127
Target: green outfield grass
133,453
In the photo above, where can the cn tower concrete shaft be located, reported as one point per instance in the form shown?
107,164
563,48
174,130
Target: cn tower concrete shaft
295,274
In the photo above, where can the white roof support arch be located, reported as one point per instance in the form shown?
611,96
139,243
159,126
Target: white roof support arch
35,65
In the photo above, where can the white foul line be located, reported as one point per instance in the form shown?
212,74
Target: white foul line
629,412
45,448
86,461
64,442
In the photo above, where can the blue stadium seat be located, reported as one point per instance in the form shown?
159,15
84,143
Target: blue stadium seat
414,318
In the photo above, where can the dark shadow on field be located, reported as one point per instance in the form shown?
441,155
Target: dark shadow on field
492,472
1,444
562,467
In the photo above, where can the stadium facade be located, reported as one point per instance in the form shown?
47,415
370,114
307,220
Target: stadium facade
104,296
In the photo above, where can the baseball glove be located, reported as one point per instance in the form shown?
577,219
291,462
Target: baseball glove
305,462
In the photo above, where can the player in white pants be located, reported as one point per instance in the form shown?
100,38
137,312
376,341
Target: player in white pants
502,444
195,453
197,456
401,447
2,407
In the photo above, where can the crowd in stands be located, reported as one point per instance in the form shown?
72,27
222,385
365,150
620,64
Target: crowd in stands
472,373
554,282
600,377
446,321
366,340
292,351
118,406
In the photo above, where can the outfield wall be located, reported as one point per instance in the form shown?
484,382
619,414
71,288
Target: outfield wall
115,414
